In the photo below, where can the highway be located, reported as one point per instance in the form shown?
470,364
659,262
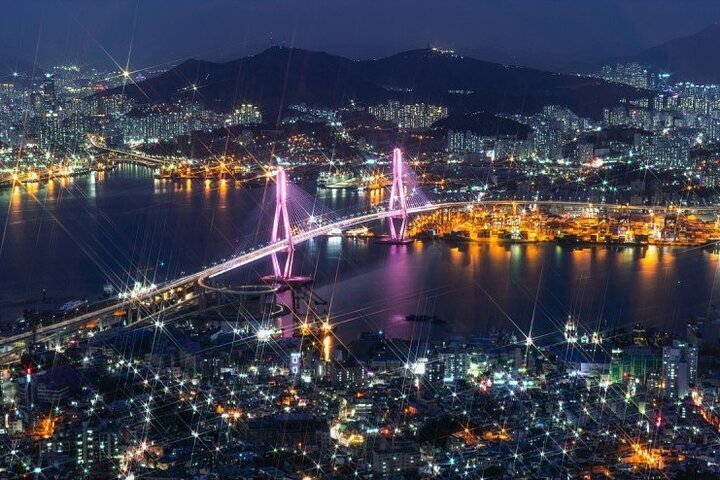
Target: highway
603,206
139,158
201,277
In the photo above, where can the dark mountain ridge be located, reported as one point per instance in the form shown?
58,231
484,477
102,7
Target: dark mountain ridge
693,58
280,76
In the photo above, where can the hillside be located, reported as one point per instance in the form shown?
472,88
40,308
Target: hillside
692,58
279,77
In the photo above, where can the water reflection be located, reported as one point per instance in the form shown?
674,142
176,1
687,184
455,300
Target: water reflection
50,190
129,220
376,196
223,193
91,188
476,287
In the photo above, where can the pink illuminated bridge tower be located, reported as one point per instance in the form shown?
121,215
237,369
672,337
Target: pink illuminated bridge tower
398,223
281,230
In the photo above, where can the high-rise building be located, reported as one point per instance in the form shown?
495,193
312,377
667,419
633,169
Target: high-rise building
585,152
245,114
389,462
679,369
456,365
417,115
153,127
465,142
634,363
616,116
548,140
47,90
640,334
667,151
95,444
632,74
571,333
43,98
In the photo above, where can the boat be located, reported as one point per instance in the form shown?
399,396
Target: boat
424,318
72,305
457,236
108,290
359,232
352,181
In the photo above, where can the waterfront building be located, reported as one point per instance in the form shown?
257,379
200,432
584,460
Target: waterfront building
571,332
638,363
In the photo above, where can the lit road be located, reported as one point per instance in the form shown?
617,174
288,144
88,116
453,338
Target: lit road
233,263
139,158
602,206
202,277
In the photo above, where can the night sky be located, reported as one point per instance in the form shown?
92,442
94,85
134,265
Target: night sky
158,31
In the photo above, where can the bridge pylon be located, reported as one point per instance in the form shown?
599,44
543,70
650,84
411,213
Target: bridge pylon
398,223
282,271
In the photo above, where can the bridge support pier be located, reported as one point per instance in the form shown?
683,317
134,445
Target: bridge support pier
282,271
398,224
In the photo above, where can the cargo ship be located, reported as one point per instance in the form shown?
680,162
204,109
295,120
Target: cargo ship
352,181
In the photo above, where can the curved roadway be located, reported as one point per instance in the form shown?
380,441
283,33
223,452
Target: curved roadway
233,263
140,158
252,256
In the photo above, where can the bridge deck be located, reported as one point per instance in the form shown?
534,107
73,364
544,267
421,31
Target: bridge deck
277,247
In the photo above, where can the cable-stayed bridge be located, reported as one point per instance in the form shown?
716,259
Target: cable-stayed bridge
145,303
